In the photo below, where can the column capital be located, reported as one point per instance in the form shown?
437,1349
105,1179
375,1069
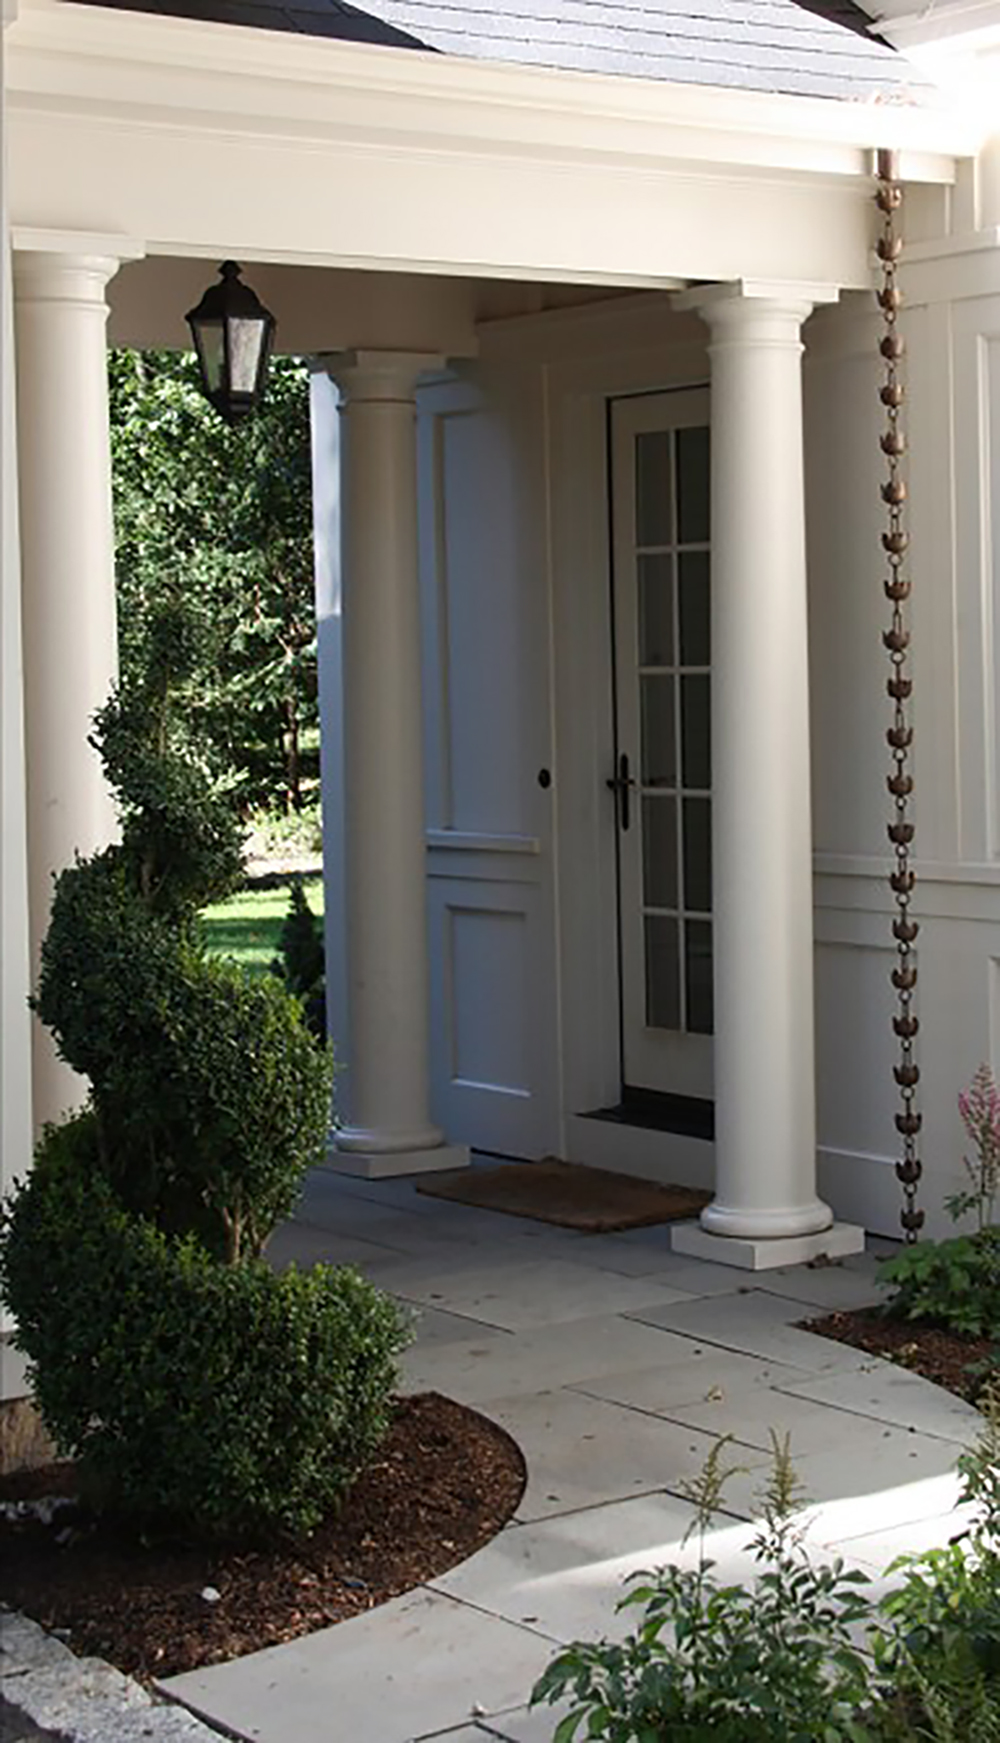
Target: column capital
67,266
746,305
380,376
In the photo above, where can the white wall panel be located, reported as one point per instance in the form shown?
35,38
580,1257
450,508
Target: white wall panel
486,700
479,573
846,605
486,981
854,1008
976,350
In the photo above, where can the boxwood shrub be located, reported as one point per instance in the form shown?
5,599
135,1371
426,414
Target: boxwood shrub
223,1397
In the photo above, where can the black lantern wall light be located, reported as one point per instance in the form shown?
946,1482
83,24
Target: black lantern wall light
233,334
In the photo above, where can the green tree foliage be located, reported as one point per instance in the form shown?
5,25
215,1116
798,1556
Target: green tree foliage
222,516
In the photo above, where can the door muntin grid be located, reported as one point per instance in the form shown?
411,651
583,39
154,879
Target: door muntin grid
673,674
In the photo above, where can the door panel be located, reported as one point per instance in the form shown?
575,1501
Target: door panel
661,572
494,1061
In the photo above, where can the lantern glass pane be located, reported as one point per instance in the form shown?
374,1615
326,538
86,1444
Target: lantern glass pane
246,339
208,338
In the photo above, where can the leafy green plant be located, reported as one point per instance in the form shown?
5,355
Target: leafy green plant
979,1106
940,1654
955,1283
774,1662
223,1398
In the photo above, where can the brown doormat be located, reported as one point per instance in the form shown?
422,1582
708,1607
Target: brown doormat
590,1199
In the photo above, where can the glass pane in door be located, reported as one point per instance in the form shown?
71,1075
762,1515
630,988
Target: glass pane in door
698,975
653,504
656,609
672,673
659,728
663,988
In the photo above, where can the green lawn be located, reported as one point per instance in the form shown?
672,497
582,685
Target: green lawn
246,926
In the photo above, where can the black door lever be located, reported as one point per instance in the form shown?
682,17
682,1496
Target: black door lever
621,785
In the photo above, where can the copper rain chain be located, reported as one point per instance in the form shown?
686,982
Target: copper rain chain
889,198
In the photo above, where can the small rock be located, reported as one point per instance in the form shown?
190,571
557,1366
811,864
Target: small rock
211,1595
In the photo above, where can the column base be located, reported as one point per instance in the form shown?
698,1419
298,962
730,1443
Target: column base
749,1254
387,1164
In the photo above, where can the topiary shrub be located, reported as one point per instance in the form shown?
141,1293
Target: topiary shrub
190,1382
223,1397
210,1096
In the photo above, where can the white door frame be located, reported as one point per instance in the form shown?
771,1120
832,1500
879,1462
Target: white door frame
675,1060
632,352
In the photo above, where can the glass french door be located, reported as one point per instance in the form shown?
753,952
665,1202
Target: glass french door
662,779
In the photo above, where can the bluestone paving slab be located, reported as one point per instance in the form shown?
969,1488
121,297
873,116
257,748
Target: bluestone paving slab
575,1450
461,1734
522,1726
412,1667
824,1288
569,1572
752,1414
434,1325
563,1576
882,1479
691,1373
879,1547
306,1246
519,1292
886,1392
695,1276
754,1323
501,1364
534,1725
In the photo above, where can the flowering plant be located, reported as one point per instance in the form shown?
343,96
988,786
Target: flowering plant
979,1106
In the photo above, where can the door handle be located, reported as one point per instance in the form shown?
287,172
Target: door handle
621,785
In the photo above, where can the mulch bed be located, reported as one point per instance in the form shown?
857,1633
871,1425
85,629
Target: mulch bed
443,1483
960,1365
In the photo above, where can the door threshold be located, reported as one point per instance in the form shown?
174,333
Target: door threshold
689,1116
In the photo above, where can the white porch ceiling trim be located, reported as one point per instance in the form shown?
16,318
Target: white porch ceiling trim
202,139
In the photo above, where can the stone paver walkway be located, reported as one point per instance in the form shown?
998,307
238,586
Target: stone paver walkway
616,1365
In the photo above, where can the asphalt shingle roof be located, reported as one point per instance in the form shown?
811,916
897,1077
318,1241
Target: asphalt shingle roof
777,46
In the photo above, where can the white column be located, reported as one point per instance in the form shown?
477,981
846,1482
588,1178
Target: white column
384,1092
15,1018
67,580
766,1210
